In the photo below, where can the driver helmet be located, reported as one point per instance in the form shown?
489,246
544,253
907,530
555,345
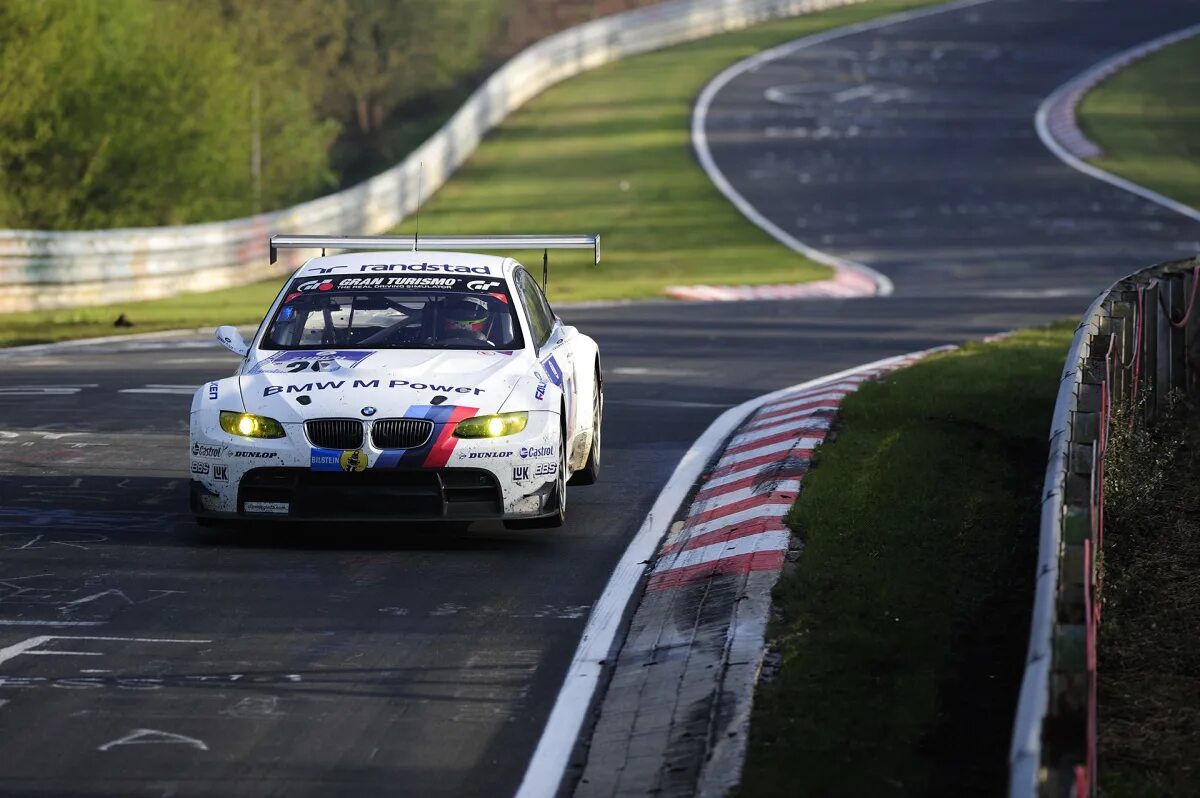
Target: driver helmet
464,316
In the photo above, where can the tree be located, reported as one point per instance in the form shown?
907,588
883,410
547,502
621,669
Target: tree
403,50
134,112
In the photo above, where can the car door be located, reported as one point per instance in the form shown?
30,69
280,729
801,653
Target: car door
553,351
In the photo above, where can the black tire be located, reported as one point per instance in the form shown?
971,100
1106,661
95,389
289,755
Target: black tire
591,469
559,516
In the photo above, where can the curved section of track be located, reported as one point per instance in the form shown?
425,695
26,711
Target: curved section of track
1059,130
140,655
910,148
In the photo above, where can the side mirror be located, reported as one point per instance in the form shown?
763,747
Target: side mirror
232,340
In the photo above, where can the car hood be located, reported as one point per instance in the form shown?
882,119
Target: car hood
297,385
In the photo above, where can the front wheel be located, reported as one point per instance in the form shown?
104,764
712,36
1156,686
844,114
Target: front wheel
591,469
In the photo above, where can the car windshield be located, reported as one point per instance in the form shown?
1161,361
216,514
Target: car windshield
357,312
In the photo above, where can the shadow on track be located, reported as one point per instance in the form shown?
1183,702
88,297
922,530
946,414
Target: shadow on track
72,512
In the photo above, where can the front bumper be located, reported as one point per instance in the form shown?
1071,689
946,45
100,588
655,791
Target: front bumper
449,494
287,478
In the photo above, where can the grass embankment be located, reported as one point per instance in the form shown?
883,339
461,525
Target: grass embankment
1149,665
605,152
1146,118
903,625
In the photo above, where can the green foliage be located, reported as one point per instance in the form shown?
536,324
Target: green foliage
148,112
903,625
115,113
286,53
398,54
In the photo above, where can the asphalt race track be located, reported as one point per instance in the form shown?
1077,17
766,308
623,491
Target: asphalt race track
912,149
141,655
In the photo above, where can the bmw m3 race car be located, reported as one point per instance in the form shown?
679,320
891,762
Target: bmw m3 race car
402,385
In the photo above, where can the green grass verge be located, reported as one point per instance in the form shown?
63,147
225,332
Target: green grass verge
903,625
1147,120
605,152
1149,662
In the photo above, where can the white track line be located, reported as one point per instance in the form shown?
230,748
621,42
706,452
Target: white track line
1041,123
58,346
704,154
545,771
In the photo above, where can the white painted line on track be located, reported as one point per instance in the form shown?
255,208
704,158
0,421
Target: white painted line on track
171,390
27,646
51,623
704,154
545,771
640,371
44,390
58,346
663,403
1041,124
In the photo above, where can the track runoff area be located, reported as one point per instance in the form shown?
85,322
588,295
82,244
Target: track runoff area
141,654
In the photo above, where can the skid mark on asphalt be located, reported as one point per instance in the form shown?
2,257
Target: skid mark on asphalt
44,390
565,612
491,691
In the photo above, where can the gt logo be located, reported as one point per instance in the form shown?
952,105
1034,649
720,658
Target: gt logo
319,285
520,473
482,285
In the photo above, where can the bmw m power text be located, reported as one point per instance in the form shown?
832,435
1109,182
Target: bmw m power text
391,384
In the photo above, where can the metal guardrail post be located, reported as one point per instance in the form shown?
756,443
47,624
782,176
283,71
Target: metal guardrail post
1165,311
1191,338
1176,303
1148,367
1125,308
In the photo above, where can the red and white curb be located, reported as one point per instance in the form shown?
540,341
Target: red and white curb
1058,129
735,521
847,284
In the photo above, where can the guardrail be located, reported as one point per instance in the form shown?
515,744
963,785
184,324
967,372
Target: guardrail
1138,341
42,270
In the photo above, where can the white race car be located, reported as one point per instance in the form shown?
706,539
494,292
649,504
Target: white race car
402,385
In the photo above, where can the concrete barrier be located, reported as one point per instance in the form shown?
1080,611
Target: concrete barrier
46,270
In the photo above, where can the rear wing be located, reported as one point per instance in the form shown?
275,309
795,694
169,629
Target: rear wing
410,243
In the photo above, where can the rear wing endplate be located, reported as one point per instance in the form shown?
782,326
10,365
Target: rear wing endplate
410,243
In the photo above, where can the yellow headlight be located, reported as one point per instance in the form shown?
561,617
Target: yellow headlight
249,425
492,426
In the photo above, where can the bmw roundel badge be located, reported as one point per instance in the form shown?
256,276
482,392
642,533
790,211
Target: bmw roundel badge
368,411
